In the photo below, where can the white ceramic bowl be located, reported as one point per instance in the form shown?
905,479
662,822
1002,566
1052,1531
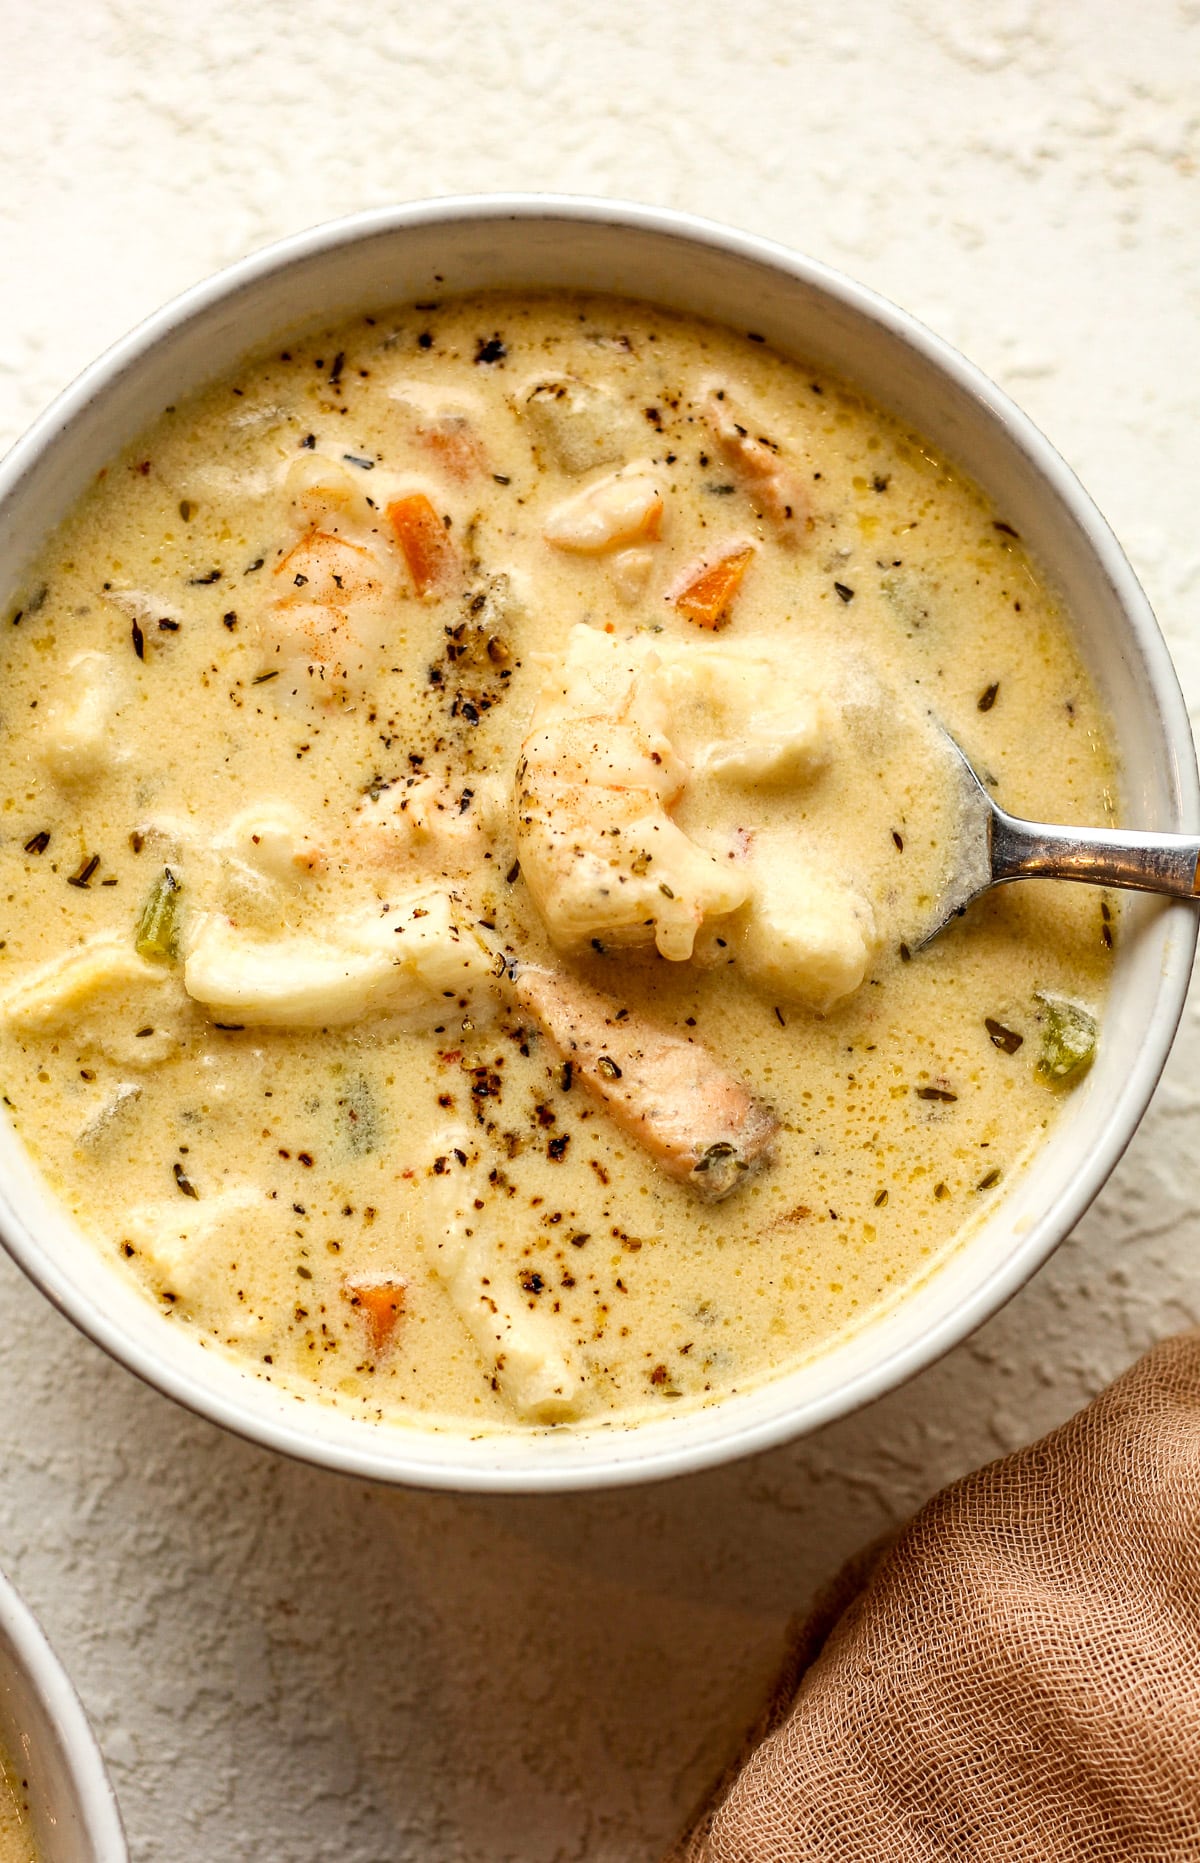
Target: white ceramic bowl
439,247
45,1733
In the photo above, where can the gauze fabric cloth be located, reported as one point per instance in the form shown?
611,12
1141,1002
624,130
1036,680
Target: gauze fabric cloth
1016,1676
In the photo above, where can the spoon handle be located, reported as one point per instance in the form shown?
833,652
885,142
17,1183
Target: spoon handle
1147,863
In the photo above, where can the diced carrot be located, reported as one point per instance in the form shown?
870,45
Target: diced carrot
706,596
380,1300
431,557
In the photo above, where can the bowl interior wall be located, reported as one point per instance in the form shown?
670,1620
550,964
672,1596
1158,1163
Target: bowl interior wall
45,1734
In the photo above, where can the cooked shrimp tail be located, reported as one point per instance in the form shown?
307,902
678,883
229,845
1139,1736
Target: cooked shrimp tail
700,1123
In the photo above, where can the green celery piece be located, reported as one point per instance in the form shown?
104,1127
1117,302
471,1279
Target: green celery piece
359,1115
158,927
1068,1040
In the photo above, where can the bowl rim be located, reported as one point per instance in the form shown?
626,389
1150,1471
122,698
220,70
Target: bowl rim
381,1456
43,1673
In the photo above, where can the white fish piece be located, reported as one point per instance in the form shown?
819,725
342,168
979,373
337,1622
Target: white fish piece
631,571
109,1116
260,417
254,869
53,994
525,1347
171,836
174,1242
78,742
107,998
624,507
218,484
144,606
418,956
432,400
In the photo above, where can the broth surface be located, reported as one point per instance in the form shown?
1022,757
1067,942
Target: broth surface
294,1193
16,1839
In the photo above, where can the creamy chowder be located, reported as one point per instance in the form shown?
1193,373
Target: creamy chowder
16,1835
473,789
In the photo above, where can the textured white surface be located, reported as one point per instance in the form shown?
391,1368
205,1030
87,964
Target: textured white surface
286,1666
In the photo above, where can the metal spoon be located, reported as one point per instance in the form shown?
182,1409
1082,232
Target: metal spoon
995,846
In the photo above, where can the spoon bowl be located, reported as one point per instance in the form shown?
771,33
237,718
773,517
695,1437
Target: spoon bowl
995,847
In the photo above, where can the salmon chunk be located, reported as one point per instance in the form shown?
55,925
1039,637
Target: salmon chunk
772,481
700,1123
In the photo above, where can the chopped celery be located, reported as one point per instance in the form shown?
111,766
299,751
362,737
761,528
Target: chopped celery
1068,1039
158,927
358,1114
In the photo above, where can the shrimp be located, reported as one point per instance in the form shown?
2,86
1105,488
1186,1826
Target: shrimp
418,823
699,1123
336,589
771,483
624,507
596,778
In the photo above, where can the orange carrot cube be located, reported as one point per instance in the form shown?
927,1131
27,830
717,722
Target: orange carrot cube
431,557
706,596
380,1300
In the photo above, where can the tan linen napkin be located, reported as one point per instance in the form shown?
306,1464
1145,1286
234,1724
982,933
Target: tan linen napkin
1016,1676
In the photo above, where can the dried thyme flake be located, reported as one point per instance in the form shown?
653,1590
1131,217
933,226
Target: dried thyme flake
183,1181
1007,1040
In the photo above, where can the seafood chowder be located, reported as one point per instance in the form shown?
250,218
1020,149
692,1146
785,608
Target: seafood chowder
16,1838
472,796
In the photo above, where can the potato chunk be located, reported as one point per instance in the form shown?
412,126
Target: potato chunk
806,936
741,717
578,424
78,743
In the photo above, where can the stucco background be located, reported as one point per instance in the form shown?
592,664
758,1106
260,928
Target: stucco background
286,1666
